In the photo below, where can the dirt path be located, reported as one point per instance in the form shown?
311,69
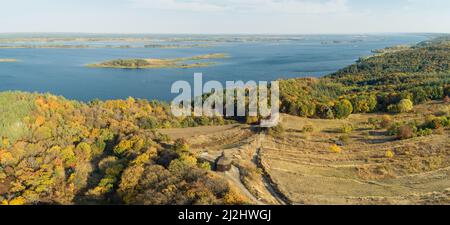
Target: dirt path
274,191
234,176
267,180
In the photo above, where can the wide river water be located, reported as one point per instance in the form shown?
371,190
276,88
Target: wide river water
63,71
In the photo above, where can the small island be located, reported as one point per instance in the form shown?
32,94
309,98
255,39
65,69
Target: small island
7,60
187,62
176,46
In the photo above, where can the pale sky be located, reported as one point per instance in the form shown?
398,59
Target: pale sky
225,16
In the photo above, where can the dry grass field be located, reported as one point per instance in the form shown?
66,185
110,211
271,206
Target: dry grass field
371,168
320,164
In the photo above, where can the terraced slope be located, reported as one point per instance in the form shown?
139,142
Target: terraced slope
307,171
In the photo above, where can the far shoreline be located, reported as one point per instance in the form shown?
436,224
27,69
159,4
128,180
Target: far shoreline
165,100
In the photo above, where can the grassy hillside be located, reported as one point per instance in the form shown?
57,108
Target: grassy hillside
356,161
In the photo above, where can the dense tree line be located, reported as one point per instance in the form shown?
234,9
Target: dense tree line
389,82
55,151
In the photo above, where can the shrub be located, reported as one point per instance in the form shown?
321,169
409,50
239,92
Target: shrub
306,109
436,122
393,108
386,121
447,91
335,148
202,121
251,120
447,99
346,128
5,143
374,122
83,150
343,109
345,139
446,122
424,132
419,95
234,198
405,105
439,131
123,146
189,122
390,154
148,123
291,108
180,145
435,92
443,111
205,165
405,132
18,201
324,111
277,130
364,104
308,129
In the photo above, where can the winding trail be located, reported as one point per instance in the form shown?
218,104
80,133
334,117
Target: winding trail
267,180
234,176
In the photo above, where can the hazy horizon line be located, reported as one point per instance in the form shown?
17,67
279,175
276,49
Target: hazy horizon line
149,33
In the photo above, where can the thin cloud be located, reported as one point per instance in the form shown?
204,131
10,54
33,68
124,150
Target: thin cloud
259,6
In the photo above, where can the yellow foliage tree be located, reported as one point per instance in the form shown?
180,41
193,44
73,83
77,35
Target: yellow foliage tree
6,158
123,146
18,201
40,120
5,142
234,198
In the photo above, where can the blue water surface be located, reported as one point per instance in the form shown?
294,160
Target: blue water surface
63,71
